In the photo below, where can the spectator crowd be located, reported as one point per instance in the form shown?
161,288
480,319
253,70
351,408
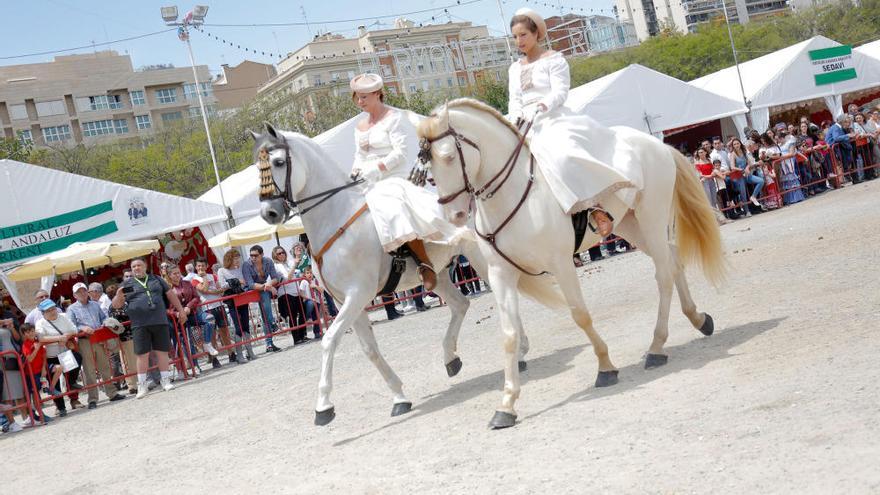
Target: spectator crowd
788,162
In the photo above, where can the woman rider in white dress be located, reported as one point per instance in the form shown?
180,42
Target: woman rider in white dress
575,153
402,212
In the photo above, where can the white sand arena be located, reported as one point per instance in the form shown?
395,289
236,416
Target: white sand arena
783,398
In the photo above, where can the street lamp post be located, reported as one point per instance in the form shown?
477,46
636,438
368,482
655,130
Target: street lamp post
742,88
194,18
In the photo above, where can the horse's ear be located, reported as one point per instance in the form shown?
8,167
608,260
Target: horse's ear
271,130
253,135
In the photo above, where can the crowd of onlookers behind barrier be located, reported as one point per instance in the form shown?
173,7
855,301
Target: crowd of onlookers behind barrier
61,352
788,162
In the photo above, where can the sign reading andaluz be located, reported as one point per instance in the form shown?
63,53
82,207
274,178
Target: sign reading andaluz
831,65
46,235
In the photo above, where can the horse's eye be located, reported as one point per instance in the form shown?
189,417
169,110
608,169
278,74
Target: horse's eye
278,162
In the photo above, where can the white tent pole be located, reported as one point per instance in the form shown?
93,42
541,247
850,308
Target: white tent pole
736,63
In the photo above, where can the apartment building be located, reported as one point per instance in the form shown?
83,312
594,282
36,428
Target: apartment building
236,85
582,35
649,17
409,58
95,97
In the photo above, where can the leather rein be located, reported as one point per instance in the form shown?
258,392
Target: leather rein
484,193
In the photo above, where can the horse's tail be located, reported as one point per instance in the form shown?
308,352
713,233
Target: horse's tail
697,233
542,290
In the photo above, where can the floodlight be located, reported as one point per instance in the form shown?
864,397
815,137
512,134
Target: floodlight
199,12
169,14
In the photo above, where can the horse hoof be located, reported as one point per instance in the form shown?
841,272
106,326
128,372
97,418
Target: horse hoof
502,420
323,418
606,378
523,366
453,367
401,408
655,360
708,327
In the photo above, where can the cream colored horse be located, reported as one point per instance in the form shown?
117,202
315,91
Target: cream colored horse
468,144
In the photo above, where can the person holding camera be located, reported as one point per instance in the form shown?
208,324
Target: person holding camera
144,296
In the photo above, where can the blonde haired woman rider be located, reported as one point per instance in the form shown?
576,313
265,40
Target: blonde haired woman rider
574,152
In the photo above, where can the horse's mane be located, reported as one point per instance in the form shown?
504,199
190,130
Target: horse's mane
429,127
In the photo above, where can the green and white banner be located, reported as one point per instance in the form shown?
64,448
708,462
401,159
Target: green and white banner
45,235
831,65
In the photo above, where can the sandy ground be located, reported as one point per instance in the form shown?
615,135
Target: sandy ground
783,398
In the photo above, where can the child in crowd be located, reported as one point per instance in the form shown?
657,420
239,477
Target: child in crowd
719,176
306,288
35,355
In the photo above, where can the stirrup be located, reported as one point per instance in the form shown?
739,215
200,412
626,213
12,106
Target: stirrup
594,228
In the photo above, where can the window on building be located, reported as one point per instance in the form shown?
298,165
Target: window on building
461,81
18,112
392,90
137,98
143,121
97,128
171,116
105,102
412,87
421,68
350,75
25,137
189,91
317,79
120,126
167,95
49,108
497,75
57,133
437,83
426,85
450,82
334,76
386,71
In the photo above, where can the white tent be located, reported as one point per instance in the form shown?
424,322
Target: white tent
46,210
871,49
242,188
787,76
650,101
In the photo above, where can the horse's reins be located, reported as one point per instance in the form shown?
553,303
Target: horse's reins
478,193
269,188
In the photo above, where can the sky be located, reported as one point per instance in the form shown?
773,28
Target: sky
46,25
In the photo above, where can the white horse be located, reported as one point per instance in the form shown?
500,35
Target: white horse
524,232
349,259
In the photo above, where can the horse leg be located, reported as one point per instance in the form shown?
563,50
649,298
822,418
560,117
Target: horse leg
348,314
701,321
566,277
650,236
364,331
504,282
458,306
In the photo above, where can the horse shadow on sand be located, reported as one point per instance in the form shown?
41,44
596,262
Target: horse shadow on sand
692,355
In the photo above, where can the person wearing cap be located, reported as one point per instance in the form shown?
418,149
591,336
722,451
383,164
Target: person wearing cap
575,153
58,333
88,316
142,295
402,212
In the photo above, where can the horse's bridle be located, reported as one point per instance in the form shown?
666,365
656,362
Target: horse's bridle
482,193
269,189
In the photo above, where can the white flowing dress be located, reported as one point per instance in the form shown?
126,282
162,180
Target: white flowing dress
582,161
401,211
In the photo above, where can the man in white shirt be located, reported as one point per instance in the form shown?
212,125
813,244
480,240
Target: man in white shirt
96,293
719,153
190,272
